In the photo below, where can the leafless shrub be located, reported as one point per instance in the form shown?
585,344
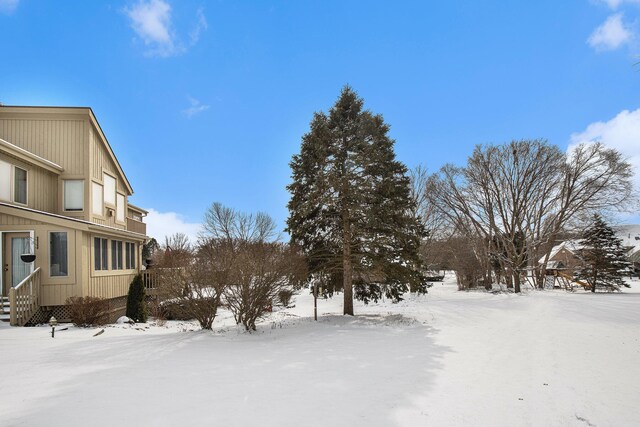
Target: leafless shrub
284,297
263,273
88,311
188,283
157,310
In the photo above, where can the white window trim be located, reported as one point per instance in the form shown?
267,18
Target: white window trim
124,209
64,189
104,188
101,199
13,186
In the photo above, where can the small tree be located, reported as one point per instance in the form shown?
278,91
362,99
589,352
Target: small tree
255,270
192,281
603,256
149,249
136,305
263,271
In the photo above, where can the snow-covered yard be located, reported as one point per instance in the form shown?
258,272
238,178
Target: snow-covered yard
446,359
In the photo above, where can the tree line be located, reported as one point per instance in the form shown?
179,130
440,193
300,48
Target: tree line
361,223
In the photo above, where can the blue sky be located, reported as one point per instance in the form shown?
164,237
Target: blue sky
206,101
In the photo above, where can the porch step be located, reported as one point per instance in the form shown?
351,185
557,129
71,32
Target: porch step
4,309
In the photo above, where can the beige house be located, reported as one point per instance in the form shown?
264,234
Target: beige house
64,200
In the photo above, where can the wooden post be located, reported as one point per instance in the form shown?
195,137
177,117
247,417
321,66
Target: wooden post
315,302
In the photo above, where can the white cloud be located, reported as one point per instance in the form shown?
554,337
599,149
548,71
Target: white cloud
614,4
165,224
196,108
8,6
201,25
622,133
152,21
611,34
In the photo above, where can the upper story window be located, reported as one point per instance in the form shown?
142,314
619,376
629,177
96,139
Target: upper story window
120,208
20,185
13,183
109,189
96,199
73,195
5,181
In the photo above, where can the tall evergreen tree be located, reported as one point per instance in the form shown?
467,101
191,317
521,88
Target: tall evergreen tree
604,259
350,207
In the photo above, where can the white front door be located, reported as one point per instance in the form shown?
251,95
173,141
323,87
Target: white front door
14,269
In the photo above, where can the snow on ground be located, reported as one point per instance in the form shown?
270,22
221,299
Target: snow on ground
445,359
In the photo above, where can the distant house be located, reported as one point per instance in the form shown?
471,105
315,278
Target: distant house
565,257
64,202
630,235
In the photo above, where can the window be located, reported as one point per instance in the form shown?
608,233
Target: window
58,254
96,197
5,181
73,195
116,255
20,186
100,254
109,189
131,255
120,208
13,183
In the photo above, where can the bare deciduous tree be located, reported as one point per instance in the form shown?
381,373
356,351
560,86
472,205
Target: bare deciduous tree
518,197
191,280
255,269
262,271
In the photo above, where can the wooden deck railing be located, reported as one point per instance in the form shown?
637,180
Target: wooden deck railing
24,299
150,279
136,226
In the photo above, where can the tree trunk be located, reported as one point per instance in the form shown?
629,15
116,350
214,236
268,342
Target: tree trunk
347,275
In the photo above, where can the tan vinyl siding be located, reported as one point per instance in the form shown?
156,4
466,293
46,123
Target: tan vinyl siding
7,221
42,185
58,140
110,286
57,294
72,140
54,290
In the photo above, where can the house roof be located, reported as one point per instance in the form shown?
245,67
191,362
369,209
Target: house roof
569,245
137,209
67,221
92,119
630,236
29,157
